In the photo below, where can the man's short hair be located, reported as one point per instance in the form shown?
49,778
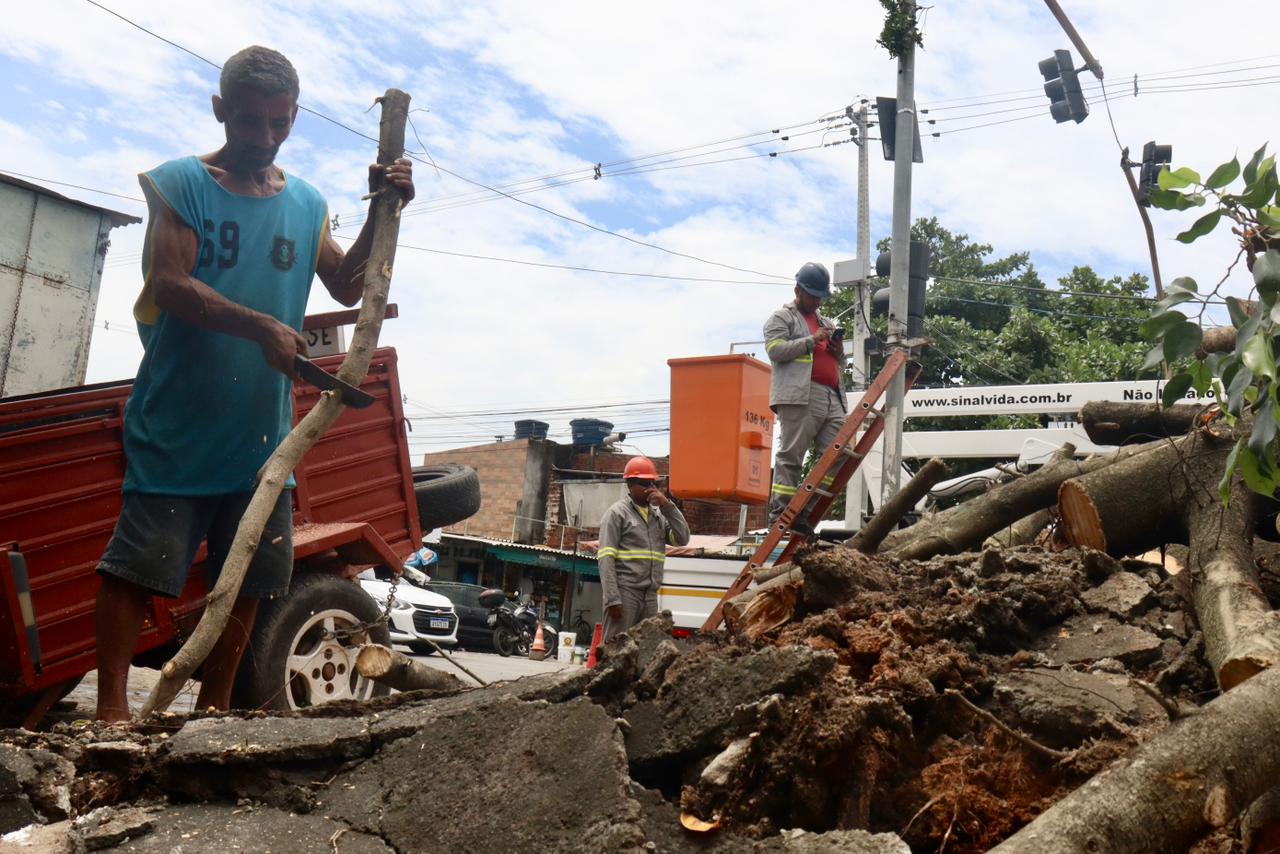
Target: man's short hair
259,68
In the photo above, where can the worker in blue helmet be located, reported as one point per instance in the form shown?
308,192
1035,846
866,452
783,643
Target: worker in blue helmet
807,389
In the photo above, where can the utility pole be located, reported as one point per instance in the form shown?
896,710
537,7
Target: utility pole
857,487
904,143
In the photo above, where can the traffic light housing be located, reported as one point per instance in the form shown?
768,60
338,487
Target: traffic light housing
1154,158
887,118
917,277
1062,85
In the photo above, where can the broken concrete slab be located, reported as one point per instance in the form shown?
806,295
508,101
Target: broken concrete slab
835,842
227,828
229,740
1064,708
537,777
647,636
1091,638
688,715
107,827
1123,594
33,779
557,687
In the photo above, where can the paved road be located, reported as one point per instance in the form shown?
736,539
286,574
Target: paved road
488,666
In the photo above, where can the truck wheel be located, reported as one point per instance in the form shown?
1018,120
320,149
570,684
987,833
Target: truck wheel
295,660
447,493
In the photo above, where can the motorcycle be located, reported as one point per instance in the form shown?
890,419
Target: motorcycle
515,624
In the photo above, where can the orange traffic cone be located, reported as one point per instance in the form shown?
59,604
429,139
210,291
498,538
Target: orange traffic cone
538,651
597,637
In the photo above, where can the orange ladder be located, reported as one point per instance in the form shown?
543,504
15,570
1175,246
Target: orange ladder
836,465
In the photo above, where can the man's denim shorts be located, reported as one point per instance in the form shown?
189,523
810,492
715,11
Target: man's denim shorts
157,537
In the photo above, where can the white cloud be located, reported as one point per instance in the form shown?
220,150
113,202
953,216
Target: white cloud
514,90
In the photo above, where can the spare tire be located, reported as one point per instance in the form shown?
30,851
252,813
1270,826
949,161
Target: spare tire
447,493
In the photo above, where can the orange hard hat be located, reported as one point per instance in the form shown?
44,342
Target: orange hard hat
640,468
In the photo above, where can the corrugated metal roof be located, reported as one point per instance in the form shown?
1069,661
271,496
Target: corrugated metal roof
508,544
117,217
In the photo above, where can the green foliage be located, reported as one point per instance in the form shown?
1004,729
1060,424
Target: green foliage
900,28
1246,380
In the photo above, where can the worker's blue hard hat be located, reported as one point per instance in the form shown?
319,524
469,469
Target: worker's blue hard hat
814,280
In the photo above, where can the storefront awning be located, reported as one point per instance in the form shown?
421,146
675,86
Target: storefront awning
528,555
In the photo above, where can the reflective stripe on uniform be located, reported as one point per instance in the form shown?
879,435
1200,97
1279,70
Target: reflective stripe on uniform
783,489
774,343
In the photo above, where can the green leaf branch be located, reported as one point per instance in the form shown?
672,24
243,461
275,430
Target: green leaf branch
1245,381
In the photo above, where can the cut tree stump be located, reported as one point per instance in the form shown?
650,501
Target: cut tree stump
891,512
399,671
1111,423
1196,775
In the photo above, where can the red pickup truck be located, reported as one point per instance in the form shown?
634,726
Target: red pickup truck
61,467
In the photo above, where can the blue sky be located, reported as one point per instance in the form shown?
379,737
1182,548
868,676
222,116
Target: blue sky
509,91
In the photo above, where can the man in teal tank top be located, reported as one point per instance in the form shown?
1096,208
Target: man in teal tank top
231,248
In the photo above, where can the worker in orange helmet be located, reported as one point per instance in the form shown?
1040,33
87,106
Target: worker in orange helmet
634,534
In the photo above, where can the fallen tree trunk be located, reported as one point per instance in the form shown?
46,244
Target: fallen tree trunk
873,533
966,525
1171,495
275,472
1111,423
1130,507
1196,775
1024,530
1241,632
401,672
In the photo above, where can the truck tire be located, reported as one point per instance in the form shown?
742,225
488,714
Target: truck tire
290,664
447,493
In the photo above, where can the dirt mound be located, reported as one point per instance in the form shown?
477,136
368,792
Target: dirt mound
935,704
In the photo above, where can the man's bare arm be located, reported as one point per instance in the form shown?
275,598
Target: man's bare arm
343,272
174,248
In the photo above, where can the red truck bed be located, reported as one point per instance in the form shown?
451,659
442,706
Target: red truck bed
61,467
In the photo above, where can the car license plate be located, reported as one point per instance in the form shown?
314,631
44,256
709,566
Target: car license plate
439,623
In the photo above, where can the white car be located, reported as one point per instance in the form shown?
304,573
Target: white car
416,613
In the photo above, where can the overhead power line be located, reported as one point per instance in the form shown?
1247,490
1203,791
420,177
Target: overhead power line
576,268
463,178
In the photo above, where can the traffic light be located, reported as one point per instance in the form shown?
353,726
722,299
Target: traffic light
1154,158
1062,85
887,118
917,277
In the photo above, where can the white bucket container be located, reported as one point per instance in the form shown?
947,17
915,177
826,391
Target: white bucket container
564,649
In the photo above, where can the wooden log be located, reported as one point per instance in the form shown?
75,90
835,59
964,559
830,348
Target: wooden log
1197,774
891,512
1111,423
399,671
385,209
761,609
1260,825
1020,533
1241,632
966,525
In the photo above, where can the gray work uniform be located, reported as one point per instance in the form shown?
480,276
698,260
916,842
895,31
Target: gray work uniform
631,556
809,413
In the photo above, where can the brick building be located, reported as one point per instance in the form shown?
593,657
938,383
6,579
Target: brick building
525,539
